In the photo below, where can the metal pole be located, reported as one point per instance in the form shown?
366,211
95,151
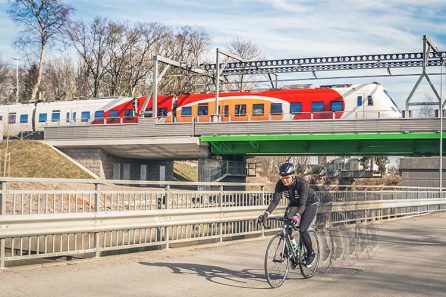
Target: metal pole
3,212
217,85
17,79
97,201
441,126
155,87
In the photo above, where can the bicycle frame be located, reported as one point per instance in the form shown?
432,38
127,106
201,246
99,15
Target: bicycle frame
287,229
280,250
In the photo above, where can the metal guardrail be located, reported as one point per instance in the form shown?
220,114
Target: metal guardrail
149,128
125,219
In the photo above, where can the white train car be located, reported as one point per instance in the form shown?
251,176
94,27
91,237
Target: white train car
17,118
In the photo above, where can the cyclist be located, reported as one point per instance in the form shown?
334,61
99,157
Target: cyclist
302,205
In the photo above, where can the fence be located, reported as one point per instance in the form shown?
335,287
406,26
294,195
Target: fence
37,224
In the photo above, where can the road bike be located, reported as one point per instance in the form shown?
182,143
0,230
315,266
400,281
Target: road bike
280,254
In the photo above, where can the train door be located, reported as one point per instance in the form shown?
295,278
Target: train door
360,106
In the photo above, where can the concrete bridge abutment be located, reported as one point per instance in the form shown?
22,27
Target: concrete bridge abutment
108,166
422,171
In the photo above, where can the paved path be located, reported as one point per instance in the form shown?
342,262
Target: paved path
410,261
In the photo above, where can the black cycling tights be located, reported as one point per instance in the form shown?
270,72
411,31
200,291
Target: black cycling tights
305,222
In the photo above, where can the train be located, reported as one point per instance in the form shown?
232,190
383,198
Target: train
296,102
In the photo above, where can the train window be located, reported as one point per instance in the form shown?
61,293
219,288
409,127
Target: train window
68,117
42,117
99,114
258,109
336,106
1,118
23,118
162,112
240,109
55,116
226,110
74,116
317,106
359,101
12,118
295,107
186,111
128,113
276,108
203,109
114,114
85,116
370,100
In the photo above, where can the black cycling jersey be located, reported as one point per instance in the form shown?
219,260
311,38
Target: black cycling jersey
298,194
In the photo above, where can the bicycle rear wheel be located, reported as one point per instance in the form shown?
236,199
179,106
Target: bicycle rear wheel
309,271
276,261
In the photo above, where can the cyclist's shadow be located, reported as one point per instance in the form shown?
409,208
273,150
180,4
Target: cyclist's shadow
216,274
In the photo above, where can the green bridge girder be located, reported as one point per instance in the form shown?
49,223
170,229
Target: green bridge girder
396,144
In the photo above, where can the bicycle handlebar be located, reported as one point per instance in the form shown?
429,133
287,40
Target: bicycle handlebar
286,221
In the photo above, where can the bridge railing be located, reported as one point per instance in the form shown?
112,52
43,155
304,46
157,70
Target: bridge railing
170,217
320,115
149,128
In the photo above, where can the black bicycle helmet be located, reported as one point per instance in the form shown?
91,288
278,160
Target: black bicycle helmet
286,169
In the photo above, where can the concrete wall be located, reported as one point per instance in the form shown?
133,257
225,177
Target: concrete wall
108,166
422,171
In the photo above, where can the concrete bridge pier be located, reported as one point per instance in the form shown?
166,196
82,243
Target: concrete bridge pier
422,171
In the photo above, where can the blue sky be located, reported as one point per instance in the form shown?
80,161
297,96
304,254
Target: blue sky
285,29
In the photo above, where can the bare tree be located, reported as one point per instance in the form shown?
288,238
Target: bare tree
91,42
427,111
6,85
43,21
188,46
140,66
116,58
248,51
131,49
59,79
120,41
4,72
81,82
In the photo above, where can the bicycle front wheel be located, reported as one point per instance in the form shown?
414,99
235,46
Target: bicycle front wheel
308,271
276,261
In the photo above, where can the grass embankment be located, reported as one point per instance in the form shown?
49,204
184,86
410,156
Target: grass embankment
35,159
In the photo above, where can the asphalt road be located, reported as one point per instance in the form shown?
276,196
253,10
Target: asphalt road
410,260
